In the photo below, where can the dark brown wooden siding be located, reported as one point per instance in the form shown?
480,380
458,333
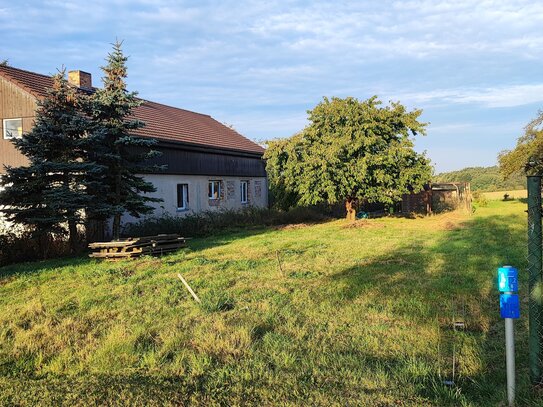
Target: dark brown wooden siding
14,103
420,202
186,161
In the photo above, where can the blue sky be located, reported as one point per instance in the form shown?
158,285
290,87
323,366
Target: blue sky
474,67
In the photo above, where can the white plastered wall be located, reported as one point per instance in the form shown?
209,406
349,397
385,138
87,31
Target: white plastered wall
198,201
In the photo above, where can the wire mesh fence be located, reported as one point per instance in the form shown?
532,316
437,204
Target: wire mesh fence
535,248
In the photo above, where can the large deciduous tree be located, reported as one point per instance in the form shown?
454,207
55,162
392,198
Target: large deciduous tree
115,147
527,156
351,150
49,193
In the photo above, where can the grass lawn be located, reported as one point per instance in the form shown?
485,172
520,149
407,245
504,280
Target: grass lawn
303,315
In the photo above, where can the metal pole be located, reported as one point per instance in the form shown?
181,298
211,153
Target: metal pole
510,359
535,312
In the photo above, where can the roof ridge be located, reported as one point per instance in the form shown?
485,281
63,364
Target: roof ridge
95,88
12,76
24,70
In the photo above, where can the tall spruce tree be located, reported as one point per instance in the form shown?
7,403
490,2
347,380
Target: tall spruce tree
49,193
113,146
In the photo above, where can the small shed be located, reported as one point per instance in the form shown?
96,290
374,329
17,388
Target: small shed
438,197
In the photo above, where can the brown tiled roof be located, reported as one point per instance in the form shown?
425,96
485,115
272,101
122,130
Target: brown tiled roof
161,122
33,83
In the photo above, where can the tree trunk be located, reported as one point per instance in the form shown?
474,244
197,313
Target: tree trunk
116,228
351,210
44,243
117,217
73,238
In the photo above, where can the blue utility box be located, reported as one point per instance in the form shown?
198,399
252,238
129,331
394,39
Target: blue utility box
509,306
507,279
508,286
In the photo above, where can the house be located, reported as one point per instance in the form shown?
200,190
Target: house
208,165
438,197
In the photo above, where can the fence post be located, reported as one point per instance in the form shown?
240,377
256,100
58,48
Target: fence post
535,247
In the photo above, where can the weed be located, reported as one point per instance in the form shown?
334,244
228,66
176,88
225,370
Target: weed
217,300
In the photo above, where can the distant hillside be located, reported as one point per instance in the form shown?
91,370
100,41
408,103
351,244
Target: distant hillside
483,179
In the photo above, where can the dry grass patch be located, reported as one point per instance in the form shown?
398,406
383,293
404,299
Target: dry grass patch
513,194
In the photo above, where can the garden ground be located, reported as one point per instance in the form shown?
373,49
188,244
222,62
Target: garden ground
322,314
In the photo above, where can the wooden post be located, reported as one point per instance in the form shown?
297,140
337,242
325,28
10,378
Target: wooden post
188,288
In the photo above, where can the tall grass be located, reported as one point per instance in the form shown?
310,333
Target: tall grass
211,222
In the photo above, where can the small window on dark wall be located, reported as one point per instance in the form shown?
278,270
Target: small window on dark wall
182,196
13,128
243,188
214,190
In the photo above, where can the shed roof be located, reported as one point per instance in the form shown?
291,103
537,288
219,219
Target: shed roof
161,121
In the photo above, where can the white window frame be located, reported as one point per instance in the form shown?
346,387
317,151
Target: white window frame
244,192
5,129
185,192
213,193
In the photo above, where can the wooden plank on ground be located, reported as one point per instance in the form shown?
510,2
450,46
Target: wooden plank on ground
134,247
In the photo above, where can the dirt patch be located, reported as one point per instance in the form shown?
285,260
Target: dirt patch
362,223
397,261
452,225
6,280
155,264
451,221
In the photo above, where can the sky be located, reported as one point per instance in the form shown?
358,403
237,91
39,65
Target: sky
473,67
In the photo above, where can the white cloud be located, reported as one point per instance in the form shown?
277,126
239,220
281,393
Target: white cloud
177,15
496,97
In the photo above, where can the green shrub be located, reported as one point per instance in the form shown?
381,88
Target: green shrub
479,199
210,222
19,245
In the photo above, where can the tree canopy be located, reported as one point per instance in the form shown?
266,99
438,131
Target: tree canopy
527,156
351,150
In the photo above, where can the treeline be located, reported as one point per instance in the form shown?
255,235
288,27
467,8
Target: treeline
484,179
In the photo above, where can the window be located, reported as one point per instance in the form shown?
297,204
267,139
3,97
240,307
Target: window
182,196
214,191
13,128
243,187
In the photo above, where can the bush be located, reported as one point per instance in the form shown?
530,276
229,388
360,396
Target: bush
21,246
211,222
479,199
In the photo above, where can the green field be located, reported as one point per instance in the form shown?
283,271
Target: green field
325,314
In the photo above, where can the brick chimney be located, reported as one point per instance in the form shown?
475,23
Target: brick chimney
80,79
